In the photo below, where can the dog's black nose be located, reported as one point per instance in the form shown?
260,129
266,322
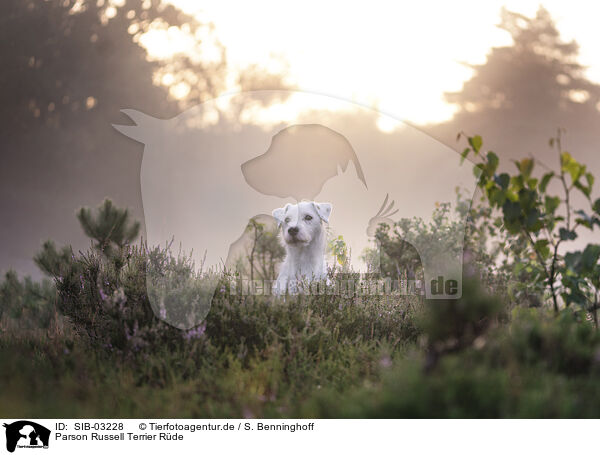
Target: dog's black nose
293,230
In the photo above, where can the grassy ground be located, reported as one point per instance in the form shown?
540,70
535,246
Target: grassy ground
321,356
253,357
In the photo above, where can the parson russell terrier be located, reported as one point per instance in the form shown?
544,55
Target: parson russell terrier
304,240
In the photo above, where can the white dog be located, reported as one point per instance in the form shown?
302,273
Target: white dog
304,239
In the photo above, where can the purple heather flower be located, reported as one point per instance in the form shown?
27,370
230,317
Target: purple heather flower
195,333
385,362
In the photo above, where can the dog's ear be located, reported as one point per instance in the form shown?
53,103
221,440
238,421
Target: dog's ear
323,209
279,214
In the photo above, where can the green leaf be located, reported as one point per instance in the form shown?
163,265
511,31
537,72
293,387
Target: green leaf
585,219
570,165
497,196
464,155
525,166
527,198
596,206
573,260
518,267
541,246
517,182
590,257
586,190
512,196
512,212
567,235
492,162
545,180
533,221
532,183
551,203
476,142
590,179
504,179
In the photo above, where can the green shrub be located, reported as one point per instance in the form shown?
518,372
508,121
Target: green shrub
537,365
25,304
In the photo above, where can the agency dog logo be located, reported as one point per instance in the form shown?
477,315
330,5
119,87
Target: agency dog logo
214,167
24,434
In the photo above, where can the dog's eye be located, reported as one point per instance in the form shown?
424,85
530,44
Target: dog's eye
287,220
308,217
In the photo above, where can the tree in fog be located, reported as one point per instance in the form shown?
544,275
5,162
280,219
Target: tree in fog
523,92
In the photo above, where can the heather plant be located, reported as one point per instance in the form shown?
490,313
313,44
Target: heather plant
112,292
119,301
462,223
25,304
264,251
397,244
539,365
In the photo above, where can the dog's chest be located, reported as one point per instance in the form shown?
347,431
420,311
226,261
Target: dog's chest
304,264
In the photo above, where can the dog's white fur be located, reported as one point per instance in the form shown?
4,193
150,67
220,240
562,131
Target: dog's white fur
304,240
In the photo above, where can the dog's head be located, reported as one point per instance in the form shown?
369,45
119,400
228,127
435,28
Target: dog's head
302,222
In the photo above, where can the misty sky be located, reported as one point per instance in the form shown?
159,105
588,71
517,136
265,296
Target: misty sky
398,56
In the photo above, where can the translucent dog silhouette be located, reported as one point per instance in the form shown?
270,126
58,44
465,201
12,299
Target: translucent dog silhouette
206,172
